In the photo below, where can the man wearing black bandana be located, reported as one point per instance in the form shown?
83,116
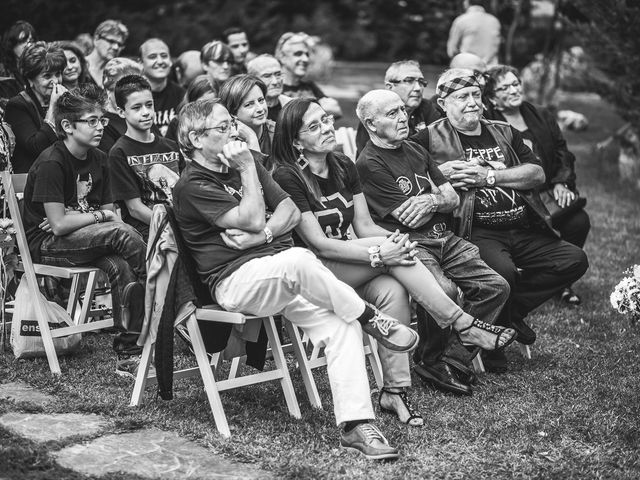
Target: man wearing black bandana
500,211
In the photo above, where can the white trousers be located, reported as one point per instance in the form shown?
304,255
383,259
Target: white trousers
296,284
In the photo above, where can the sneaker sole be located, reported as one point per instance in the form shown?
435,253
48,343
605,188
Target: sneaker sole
381,456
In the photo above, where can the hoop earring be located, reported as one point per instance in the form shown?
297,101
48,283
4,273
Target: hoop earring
302,160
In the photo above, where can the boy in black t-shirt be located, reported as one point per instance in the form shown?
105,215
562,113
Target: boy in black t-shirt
144,166
70,219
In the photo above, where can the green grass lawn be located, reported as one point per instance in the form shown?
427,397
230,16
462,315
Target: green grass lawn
570,412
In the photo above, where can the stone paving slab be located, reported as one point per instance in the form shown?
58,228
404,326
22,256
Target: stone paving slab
58,426
22,393
152,453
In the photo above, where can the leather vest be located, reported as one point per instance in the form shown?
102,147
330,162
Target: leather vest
445,145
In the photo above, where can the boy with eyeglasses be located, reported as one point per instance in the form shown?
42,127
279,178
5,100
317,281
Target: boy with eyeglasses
69,215
405,78
144,166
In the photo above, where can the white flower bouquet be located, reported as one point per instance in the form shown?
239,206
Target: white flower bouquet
625,297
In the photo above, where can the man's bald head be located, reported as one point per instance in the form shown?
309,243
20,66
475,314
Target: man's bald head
371,102
468,60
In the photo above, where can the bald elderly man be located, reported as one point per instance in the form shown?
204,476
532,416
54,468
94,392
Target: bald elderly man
406,79
156,67
405,190
268,69
187,67
500,210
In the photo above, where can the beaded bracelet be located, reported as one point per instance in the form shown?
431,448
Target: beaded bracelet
104,215
95,215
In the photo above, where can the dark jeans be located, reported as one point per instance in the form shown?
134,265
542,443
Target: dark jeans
115,248
456,263
574,228
548,265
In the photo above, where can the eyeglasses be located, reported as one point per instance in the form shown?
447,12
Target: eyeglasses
314,128
94,121
516,84
112,41
410,81
224,128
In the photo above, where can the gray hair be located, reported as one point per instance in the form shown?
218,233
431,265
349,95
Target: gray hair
392,71
368,105
193,118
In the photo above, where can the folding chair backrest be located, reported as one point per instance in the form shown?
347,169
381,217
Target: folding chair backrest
11,189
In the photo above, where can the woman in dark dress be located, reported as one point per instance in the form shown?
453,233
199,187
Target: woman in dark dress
541,132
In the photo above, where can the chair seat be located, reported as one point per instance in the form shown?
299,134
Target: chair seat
60,272
214,313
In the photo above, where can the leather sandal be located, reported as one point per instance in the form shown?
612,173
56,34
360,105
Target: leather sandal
496,330
413,415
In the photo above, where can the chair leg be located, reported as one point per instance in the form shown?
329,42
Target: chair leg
235,365
478,366
374,359
137,396
207,377
88,297
525,350
74,296
303,362
281,364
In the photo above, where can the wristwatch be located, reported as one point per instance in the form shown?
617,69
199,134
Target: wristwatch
491,178
268,234
374,256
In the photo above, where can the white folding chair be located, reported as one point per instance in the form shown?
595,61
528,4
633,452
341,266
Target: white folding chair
78,311
207,365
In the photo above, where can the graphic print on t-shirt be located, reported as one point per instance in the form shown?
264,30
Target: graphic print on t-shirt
494,206
406,186
331,218
157,175
84,183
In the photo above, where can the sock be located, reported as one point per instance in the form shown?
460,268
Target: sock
348,426
367,315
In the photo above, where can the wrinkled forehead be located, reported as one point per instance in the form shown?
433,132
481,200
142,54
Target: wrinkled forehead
386,104
464,92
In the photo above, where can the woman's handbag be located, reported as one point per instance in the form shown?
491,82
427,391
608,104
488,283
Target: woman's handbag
557,212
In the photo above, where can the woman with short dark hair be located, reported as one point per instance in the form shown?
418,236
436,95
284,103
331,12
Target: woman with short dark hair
542,134
245,98
31,113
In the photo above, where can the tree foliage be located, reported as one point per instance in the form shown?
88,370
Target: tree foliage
383,30
610,33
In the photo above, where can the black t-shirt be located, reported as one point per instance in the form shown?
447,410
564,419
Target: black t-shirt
200,198
303,90
58,177
390,176
335,212
145,170
495,207
165,103
274,111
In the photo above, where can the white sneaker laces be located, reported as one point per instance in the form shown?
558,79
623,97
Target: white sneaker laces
372,433
382,323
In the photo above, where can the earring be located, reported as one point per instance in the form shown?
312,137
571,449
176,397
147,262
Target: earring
301,160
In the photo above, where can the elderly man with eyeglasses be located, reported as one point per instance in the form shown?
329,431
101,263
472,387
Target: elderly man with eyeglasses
497,177
405,78
108,42
236,223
